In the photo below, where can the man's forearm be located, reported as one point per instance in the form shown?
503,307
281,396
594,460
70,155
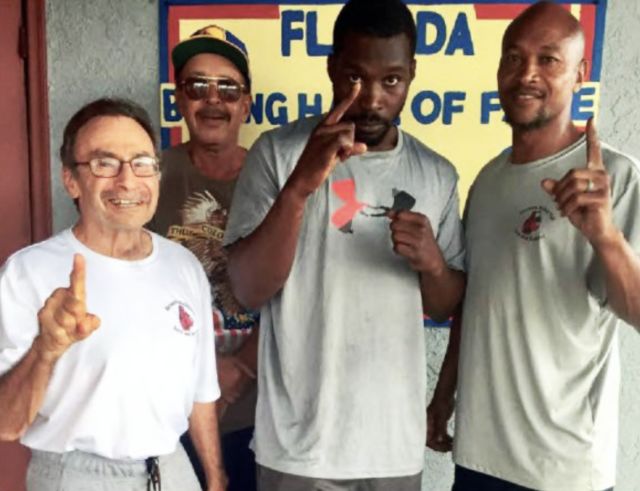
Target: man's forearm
441,292
448,378
22,391
247,355
442,403
622,275
259,264
203,429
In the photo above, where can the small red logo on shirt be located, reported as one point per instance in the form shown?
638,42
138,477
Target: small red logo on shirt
531,222
185,319
181,316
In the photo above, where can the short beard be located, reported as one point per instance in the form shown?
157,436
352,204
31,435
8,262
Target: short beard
540,121
372,141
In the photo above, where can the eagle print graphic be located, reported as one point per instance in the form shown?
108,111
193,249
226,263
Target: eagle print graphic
203,222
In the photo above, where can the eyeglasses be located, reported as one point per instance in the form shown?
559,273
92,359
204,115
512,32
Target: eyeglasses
143,166
197,88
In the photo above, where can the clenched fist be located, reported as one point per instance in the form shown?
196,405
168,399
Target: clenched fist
413,239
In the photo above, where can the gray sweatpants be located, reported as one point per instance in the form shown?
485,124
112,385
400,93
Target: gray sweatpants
80,471
272,480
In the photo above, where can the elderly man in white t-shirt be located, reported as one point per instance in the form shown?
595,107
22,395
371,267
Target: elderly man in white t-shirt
102,371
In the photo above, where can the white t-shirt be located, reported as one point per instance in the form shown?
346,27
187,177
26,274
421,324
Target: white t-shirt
342,377
126,391
539,365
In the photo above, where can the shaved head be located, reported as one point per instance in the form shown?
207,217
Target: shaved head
541,67
547,15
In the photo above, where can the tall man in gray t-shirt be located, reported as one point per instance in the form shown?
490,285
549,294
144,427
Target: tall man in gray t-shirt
552,240
345,230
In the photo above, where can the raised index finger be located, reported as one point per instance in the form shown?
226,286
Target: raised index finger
594,152
77,278
336,114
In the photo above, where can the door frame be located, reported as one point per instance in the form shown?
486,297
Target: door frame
32,47
34,21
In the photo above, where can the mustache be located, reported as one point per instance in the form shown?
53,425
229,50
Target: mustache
527,89
367,118
213,112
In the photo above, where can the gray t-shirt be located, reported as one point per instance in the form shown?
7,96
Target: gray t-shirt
342,373
539,367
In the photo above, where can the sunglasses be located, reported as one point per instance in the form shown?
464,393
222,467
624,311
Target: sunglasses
197,88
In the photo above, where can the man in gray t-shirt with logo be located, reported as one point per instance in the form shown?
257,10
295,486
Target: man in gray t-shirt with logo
345,229
552,259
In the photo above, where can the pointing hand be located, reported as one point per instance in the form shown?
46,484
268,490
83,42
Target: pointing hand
64,319
583,195
332,140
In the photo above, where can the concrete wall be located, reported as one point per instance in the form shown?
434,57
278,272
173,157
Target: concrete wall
620,126
110,47
97,48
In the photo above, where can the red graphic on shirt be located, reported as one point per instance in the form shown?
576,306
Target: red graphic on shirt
346,191
185,319
532,224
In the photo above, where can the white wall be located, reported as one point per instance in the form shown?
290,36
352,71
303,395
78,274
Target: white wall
620,126
110,47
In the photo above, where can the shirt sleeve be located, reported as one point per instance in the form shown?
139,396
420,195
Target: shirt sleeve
625,194
207,388
255,191
18,315
465,223
626,206
450,233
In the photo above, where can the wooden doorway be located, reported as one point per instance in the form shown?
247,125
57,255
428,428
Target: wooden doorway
25,183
